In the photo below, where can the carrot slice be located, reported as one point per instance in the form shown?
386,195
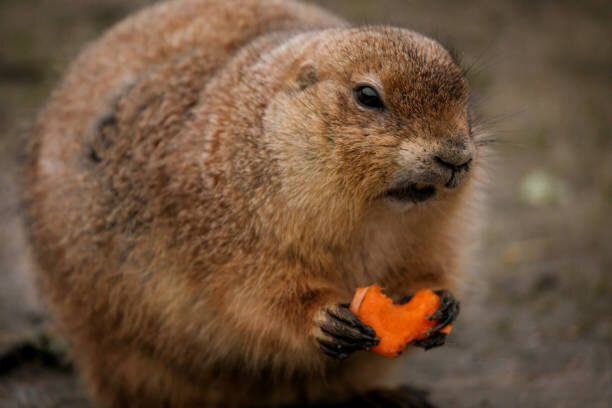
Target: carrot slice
396,325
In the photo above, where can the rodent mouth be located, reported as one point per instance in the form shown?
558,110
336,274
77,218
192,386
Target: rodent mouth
415,192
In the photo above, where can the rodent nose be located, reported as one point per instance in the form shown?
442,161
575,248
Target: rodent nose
445,165
458,162
455,165
454,152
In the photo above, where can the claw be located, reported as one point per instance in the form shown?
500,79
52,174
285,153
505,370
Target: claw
335,350
347,317
437,339
344,333
447,311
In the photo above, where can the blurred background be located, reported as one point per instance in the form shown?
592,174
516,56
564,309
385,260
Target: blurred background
536,323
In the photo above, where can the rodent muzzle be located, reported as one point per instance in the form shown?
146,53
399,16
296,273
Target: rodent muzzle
458,171
421,178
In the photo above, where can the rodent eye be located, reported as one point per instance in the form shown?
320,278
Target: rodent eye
368,97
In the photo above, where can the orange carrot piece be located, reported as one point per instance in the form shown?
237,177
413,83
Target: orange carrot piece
396,325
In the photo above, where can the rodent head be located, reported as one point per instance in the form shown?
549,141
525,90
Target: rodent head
375,114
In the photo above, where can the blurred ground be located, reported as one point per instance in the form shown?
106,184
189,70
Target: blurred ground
536,326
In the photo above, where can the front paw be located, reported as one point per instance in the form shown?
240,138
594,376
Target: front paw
341,332
447,312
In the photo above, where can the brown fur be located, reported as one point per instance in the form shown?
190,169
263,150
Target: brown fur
202,184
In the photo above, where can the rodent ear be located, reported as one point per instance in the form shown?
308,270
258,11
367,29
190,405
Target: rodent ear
306,75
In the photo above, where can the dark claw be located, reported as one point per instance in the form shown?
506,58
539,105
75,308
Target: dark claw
333,350
437,339
349,340
345,333
345,317
447,311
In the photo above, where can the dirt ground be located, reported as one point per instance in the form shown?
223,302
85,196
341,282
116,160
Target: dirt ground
536,324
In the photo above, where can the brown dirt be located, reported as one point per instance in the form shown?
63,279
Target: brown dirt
536,324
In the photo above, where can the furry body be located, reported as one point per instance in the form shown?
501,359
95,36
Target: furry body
202,186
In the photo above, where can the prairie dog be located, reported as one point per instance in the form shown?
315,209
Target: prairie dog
213,179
